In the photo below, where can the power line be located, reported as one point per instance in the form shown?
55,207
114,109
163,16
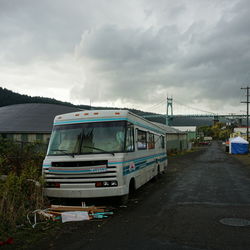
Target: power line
247,102
182,104
157,104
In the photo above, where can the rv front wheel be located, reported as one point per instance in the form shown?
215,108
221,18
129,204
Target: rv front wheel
123,200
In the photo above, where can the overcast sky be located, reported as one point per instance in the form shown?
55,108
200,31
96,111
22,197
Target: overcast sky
128,53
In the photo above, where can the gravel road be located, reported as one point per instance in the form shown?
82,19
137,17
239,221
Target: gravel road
182,210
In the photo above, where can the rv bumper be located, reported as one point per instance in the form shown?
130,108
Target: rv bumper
86,193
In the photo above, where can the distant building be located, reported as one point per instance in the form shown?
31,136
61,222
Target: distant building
191,131
30,122
176,140
240,131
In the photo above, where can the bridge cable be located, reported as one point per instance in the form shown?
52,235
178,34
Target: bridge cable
205,111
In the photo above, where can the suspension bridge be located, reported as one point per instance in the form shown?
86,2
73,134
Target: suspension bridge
203,116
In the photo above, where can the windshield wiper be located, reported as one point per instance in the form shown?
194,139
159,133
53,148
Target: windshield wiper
65,151
102,150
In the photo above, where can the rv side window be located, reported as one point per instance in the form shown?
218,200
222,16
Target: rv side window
162,142
151,141
130,138
141,139
157,141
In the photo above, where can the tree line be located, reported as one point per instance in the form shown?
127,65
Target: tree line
218,131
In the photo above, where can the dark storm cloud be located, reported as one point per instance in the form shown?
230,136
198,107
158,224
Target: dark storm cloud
113,47
132,51
35,30
129,59
212,61
221,55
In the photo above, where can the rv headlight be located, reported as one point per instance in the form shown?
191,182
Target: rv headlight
106,184
113,183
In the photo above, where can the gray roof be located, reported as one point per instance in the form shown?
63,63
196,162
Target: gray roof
168,129
30,117
186,128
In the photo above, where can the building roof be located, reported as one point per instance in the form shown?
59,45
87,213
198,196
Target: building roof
168,129
241,129
30,117
186,128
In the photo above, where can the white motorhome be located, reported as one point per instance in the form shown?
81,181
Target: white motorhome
101,153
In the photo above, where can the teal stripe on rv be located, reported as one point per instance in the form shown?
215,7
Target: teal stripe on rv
142,165
91,120
138,159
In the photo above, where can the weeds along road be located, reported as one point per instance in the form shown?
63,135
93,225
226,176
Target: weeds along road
182,210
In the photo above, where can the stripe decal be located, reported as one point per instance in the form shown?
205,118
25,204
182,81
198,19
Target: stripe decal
141,165
158,130
138,159
91,120
99,170
126,169
47,165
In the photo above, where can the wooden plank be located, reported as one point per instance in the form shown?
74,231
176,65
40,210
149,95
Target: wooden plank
53,206
87,209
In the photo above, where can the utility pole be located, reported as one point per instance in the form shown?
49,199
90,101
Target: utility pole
247,102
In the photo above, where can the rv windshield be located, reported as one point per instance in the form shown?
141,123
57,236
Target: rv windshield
87,138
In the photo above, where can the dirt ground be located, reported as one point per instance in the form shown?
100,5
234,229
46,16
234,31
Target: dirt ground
245,159
181,210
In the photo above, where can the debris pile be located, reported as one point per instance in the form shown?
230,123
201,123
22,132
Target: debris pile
70,213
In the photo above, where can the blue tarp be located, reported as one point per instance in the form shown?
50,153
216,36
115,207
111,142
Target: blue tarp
239,148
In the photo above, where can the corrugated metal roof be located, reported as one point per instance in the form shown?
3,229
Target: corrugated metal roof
30,117
186,128
168,129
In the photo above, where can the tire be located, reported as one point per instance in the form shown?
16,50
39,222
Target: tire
123,200
157,176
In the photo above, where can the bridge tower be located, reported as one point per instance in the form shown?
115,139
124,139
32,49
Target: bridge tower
169,116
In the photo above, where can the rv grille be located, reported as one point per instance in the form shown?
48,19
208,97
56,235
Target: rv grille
85,172
78,163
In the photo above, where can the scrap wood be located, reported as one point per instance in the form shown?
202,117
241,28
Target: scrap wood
35,212
94,212
45,214
52,206
81,207
54,213
76,208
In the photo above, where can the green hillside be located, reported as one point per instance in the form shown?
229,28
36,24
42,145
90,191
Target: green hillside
8,97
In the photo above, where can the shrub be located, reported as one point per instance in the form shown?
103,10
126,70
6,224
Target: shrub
19,192
16,156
